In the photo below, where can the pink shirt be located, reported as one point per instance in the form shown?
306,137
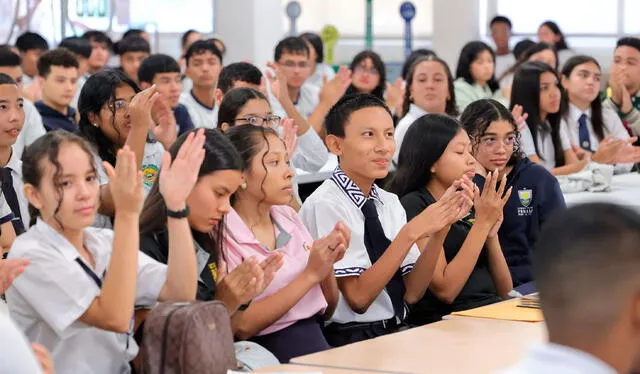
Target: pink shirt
294,241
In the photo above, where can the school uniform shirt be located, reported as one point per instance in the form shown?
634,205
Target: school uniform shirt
311,154
187,84
6,215
550,358
16,356
201,114
467,93
479,289
631,120
612,126
503,63
412,115
156,246
54,291
294,242
18,186
79,84
54,120
340,199
183,119
31,130
322,70
306,103
535,196
544,142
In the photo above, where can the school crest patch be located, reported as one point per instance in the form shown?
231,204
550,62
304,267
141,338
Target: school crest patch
149,174
525,197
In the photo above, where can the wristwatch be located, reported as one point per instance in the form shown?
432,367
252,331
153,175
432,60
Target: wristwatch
184,213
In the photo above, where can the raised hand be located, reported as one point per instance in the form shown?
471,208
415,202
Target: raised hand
164,126
290,135
395,94
277,82
489,203
177,178
125,182
327,251
440,214
140,106
519,117
9,270
466,187
44,358
619,93
334,89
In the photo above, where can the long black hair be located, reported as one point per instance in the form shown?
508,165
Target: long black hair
450,108
377,62
560,44
233,101
424,144
219,154
596,105
479,115
468,55
526,92
98,90
524,57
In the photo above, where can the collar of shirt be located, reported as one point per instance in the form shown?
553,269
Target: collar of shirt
557,358
15,164
237,229
351,189
68,251
575,113
200,102
416,111
47,111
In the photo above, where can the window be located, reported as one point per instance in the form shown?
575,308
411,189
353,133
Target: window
631,9
348,16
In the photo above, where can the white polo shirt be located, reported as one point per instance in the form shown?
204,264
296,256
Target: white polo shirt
16,356
306,103
47,300
31,130
201,115
545,144
322,70
612,126
340,199
412,115
311,154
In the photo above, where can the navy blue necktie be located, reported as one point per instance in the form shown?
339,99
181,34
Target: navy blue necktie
12,199
376,243
583,133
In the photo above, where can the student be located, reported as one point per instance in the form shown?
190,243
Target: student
163,72
542,52
475,78
78,293
81,49
114,113
31,46
592,128
292,57
501,33
536,88
536,193
369,76
57,75
188,37
549,32
236,75
382,268
14,211
247,106
470,269
318,69
137,33
219,44
132,51
590,247
521,47
623,93
415,54
32,128
101,45
204,62
429,90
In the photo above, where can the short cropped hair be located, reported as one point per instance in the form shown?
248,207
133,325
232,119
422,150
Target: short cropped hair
238,71
340,113
156,64
56,57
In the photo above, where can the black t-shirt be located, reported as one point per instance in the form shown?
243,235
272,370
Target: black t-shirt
156,246
480,288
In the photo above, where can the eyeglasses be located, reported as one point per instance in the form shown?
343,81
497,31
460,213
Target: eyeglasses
270,121
292,64
362,69
119,105
493,142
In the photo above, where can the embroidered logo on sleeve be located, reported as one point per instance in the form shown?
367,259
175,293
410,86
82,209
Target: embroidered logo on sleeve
149,174
526,197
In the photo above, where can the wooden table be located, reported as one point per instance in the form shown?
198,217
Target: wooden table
311,369
460,345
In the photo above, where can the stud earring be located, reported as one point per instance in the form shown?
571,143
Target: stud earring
243,185
95,124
